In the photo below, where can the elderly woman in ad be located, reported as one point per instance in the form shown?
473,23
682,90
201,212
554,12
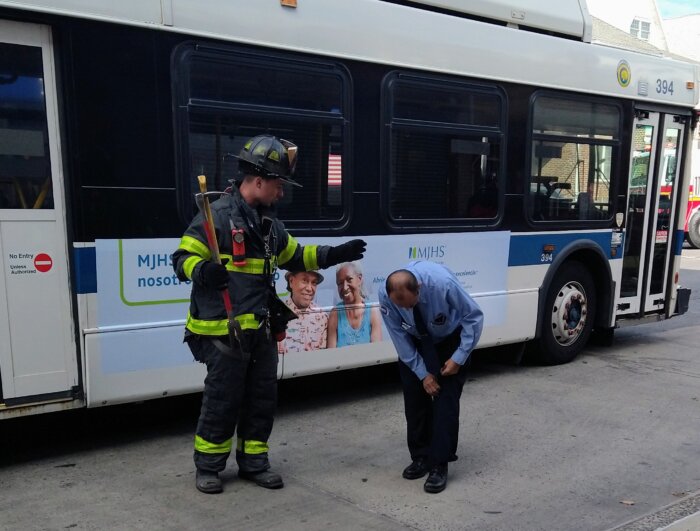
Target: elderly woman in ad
354,321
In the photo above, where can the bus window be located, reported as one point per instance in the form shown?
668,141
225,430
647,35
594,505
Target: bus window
232,95
444,149
573,149
25,171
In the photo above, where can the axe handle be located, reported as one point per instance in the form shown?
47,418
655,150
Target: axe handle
211,238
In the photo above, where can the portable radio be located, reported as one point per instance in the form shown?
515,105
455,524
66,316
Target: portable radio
238,247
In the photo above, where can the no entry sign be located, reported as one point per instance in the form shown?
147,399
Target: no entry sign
43,262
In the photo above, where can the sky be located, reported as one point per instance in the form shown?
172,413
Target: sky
678,8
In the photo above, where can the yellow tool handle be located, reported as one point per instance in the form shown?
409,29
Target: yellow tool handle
209,220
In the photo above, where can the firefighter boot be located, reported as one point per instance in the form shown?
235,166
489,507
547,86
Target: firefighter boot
208,482
265,478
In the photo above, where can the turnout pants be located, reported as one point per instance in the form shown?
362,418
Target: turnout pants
240,394
432,424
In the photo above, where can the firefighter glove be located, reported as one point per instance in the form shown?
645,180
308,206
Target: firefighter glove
213,275
346,252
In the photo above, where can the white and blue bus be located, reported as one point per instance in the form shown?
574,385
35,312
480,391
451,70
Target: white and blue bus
497,141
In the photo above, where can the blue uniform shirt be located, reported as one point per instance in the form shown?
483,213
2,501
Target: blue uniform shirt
444,304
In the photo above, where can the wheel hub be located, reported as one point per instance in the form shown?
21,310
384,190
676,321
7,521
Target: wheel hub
569,313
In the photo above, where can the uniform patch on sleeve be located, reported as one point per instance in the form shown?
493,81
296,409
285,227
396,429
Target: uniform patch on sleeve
384,309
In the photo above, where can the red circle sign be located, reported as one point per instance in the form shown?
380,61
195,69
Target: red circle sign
43,262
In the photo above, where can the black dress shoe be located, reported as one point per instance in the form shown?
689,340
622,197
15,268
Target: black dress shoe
437,480
266,479
208,482
417,469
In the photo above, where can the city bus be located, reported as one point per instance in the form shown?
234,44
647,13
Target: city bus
692,215
497,141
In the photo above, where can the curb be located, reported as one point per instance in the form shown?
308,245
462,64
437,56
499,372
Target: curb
683,515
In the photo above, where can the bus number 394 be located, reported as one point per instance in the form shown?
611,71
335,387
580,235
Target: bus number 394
664,86
546,257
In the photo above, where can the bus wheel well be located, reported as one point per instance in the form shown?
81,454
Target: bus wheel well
568,314
580,276
602,279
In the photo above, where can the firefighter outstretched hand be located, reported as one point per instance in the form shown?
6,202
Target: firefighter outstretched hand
346,252
213,275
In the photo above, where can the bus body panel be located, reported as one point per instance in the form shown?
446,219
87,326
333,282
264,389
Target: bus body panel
435,42
38,355
129,308
146,12
140,364
569,17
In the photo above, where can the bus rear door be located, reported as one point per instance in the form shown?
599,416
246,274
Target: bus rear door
38,360
651,212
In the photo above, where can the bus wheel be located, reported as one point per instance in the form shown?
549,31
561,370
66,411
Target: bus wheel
694,231
569,314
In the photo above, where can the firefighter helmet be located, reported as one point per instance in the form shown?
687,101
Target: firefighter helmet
269,157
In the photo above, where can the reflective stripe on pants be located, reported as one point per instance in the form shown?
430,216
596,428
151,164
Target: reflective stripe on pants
239,396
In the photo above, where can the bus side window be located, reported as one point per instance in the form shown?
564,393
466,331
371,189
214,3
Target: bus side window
575,143
25,169
445,153
233,94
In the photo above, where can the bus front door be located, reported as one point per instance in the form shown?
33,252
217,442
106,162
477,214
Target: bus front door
651,211
38,360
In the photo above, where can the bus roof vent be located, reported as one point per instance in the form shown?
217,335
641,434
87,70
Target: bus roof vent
568,18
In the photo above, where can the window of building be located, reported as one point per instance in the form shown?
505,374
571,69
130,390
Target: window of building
227,96
640,29
443,147
575,146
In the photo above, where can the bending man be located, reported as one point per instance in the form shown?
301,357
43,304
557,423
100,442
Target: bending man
434,325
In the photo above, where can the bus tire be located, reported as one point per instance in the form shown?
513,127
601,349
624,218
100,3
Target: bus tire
694,231
568,315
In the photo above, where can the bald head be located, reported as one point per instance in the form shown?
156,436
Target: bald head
402,288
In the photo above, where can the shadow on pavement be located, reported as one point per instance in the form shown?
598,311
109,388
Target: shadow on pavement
66,432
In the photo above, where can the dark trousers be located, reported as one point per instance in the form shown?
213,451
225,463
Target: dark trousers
432,424
240,394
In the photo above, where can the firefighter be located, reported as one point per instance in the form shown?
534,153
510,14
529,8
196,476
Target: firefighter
240,389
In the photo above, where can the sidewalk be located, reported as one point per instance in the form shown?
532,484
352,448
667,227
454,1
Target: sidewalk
683,515
689,523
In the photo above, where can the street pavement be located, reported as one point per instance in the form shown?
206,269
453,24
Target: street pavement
604,442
